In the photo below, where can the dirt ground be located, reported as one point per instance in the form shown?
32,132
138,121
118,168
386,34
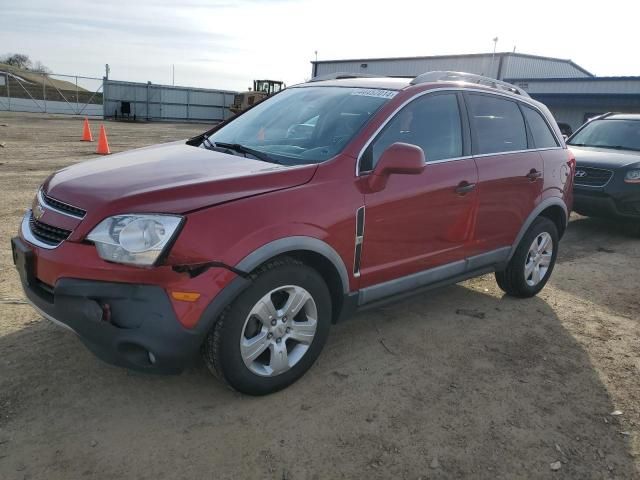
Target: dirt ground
459,383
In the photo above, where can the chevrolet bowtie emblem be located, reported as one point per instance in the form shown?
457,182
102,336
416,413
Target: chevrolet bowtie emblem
38,212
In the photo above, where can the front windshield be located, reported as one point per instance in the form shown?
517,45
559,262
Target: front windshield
620,134
303,125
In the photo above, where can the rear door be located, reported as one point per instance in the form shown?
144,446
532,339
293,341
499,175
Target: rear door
554,157
420,221
510,170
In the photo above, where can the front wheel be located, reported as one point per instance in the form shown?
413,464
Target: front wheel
530,267
274,331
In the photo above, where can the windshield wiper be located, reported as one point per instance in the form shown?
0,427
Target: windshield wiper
246,150
612,147
617,147
205,139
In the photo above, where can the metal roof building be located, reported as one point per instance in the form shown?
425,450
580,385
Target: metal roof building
571,92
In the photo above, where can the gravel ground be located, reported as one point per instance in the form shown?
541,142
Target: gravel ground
459,383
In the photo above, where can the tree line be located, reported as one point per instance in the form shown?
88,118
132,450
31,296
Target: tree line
23,62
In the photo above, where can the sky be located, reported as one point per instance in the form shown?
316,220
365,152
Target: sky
226,44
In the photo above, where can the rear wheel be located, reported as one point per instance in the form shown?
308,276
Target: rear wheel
633,227
530,267
274,331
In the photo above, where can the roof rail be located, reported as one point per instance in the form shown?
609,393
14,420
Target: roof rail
446,76
342,75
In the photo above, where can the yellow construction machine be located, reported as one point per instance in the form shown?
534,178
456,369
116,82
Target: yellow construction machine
261,90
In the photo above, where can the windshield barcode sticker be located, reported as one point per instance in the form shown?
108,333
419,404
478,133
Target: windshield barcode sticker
374,92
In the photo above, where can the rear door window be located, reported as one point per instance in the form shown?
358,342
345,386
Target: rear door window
542,136
497,123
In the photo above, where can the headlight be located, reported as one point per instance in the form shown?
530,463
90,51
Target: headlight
134,239
632,176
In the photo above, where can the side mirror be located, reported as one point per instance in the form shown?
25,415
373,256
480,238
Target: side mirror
398,158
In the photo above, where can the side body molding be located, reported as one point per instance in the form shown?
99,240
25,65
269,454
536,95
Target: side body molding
546,203
289,244
437,276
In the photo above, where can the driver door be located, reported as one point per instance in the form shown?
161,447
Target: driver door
419,222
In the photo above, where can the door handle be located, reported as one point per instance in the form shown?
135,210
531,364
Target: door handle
533,175
465,187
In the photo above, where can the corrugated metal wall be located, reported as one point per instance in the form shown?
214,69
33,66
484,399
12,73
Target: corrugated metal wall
521,66
596,86
480,65
575,110
513,66
167,103
574,97
572,116
572,101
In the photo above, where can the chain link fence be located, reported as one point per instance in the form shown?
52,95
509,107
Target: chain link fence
38,92
27,91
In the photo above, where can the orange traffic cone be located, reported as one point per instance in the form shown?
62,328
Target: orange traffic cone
86,131
103,145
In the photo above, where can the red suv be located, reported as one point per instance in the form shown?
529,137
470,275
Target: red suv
246,243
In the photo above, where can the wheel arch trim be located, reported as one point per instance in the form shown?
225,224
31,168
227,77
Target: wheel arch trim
542,206
291,244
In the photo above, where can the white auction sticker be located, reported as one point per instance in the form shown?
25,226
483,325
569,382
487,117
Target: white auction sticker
374,92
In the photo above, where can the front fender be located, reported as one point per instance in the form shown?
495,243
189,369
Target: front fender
289,244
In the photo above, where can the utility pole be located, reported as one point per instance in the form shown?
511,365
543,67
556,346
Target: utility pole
315,65
173,74
495,45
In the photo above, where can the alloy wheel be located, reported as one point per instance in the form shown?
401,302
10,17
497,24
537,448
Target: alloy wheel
278,330
538,259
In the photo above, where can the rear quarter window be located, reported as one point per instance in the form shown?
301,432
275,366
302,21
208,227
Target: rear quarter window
497,123
542,136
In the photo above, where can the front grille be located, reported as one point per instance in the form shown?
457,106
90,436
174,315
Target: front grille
63,207
46,233
592,177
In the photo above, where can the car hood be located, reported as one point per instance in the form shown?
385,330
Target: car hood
168,178
604,158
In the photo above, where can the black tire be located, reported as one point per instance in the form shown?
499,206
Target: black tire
221,350
632,228
512,279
